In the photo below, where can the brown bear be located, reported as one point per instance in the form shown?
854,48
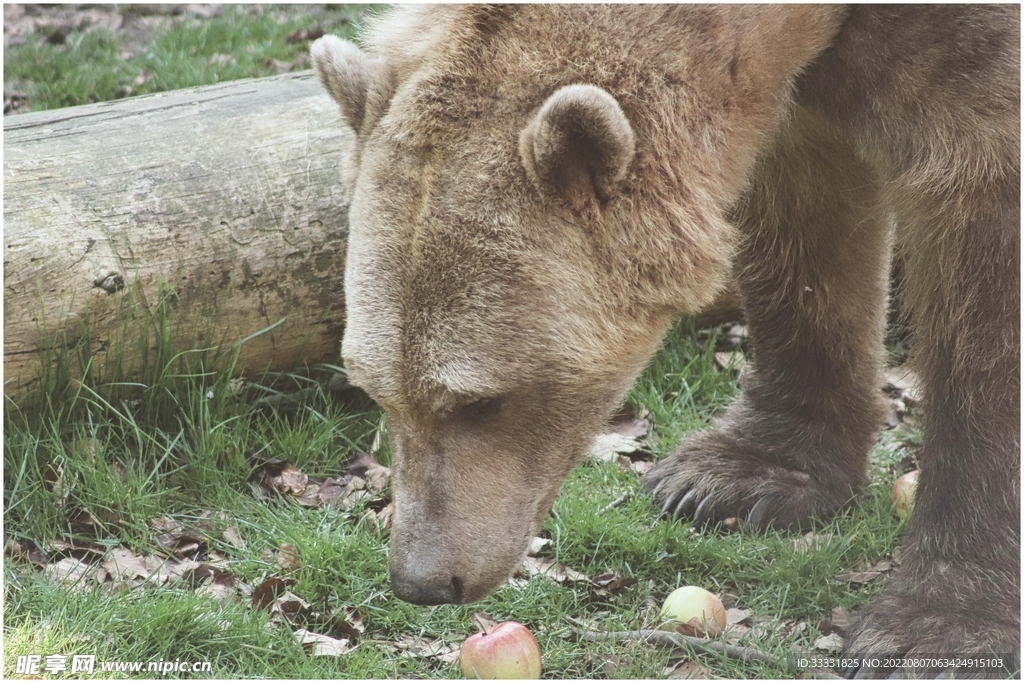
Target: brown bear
539,191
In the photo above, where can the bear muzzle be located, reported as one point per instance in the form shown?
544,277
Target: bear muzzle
411,584
427,579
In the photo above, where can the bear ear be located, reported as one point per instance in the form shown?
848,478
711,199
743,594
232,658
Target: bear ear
578,146
356,82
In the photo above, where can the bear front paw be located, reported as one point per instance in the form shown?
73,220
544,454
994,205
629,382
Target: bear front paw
714,476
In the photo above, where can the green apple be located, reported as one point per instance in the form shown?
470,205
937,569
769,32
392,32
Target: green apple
693,611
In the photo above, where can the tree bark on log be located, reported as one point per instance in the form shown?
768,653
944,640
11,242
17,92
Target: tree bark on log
230,195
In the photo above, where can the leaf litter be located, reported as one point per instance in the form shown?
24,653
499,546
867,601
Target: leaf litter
626,441
365,481
325,635
626,444
601,585
185,557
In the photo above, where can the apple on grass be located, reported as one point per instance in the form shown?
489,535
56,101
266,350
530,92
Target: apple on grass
507,650
693,611
903,493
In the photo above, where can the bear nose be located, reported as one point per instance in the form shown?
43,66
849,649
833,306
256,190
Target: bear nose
426,590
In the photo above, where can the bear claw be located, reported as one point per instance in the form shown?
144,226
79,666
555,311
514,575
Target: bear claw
772,497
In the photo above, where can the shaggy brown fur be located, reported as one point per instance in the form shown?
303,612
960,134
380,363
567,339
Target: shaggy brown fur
541,190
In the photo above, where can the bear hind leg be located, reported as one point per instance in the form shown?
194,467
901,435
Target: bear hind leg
957,593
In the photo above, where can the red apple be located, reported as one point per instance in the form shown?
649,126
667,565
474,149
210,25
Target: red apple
903,493
693,611
507,650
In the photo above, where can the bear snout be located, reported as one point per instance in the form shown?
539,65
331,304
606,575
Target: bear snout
417,584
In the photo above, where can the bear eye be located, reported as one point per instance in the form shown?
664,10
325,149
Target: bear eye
482,407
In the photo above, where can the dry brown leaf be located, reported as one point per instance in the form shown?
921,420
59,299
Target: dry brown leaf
625,441
197,575
611,665
266,593
483,622
232,536
738,623
688,670
348,624
609,582
363,476
69,570
351,622
607,447
124,565
183,544
218,591
380,519
794,630
212,582
321,645
557,571
292,607
288,557
735,359
642,467
378,477
25,551
832,643
166,525
310,496
15,551
537,544
289,481
882,566
355,492
366,467
331,489
169,570
426,646
903,380
83,550
735,615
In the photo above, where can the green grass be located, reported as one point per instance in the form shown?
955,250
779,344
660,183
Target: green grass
242,42
171,447
174,440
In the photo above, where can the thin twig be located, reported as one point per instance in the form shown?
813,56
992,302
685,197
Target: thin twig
624,498
678,640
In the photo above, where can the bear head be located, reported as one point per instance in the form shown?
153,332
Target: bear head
520,240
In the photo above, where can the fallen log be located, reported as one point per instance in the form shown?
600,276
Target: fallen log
223,204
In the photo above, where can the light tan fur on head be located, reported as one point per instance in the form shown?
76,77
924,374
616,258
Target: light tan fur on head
525,225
